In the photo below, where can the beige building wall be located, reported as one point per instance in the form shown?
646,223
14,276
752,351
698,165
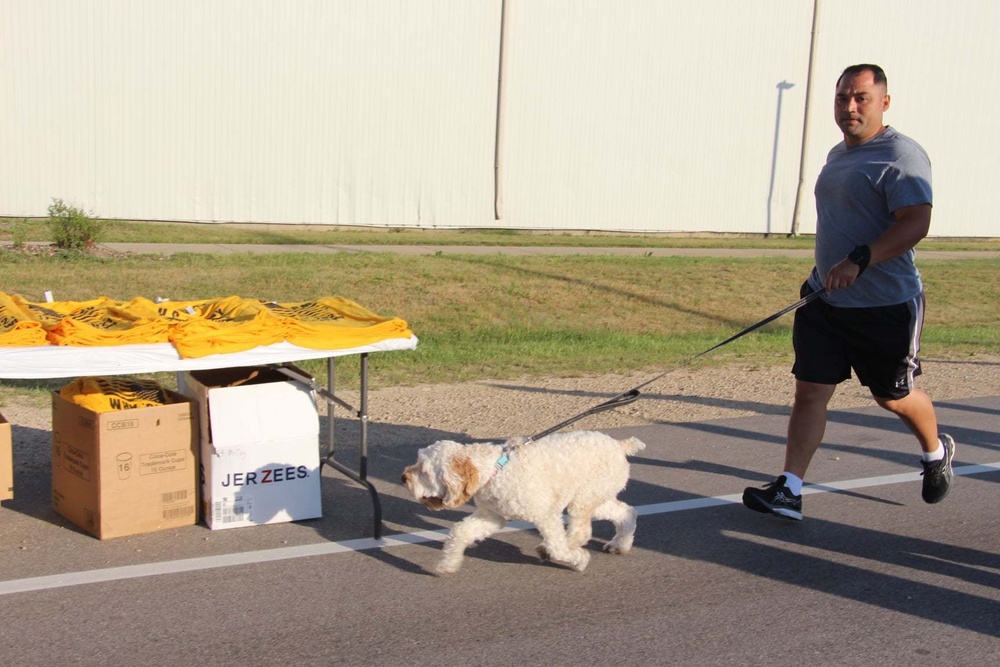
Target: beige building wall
632,115
655,116
300,111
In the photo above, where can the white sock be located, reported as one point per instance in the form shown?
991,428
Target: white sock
936,455
794,483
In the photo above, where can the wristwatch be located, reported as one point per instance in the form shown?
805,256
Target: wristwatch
861,255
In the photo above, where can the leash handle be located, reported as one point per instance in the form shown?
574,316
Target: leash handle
633,394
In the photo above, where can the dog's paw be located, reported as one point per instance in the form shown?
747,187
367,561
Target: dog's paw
543,553
619,549
581,561
443,569
619,545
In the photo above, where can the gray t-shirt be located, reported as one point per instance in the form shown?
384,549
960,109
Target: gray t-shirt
856,194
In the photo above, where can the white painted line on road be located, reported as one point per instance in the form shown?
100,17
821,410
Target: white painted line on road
417,537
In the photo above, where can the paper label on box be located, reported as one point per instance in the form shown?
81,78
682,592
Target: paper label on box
76,461
177,504
122,424
161,462
232,509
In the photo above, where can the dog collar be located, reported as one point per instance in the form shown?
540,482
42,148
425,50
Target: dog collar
503,460
499,464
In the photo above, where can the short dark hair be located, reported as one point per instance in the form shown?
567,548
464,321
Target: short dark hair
878,74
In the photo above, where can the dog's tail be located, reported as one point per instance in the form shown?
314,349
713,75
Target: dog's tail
632,446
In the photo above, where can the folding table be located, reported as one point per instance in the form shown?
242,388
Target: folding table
62,361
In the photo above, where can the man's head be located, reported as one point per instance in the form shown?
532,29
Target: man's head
859,103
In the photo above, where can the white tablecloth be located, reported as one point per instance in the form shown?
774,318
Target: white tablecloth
57,361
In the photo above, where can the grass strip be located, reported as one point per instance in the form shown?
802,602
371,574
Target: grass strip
506,317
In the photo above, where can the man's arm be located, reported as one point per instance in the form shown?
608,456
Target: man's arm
911,225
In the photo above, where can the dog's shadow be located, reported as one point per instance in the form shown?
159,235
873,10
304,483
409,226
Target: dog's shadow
494,549
347,505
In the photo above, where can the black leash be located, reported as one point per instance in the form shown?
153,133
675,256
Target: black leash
633,394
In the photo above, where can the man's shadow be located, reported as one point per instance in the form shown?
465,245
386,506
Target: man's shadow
836,559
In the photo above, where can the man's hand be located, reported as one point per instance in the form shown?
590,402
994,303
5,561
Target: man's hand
841,276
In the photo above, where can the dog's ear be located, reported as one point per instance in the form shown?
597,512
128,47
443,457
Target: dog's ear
461,480
435,504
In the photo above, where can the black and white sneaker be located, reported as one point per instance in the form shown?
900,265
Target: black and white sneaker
938,474
774,498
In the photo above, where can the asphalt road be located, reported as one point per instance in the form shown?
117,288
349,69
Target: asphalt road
871,576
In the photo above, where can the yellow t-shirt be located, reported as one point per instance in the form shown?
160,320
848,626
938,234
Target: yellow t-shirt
108,394
195,328
17,325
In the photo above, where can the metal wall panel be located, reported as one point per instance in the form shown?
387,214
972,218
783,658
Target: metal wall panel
653,115
301,111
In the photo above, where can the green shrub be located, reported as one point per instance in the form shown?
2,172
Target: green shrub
18,230
71,227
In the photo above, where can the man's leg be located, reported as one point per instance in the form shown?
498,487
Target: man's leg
807,425
916,411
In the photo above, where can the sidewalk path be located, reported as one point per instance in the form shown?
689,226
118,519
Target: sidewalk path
413,250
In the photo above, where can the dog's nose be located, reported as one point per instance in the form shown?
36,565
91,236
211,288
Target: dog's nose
403,478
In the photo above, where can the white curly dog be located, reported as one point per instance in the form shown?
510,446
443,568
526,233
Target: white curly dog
580,472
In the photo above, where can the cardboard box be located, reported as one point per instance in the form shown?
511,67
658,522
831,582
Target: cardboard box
125,472
259,446
6,461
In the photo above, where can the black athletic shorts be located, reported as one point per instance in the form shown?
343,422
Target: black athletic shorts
880,344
